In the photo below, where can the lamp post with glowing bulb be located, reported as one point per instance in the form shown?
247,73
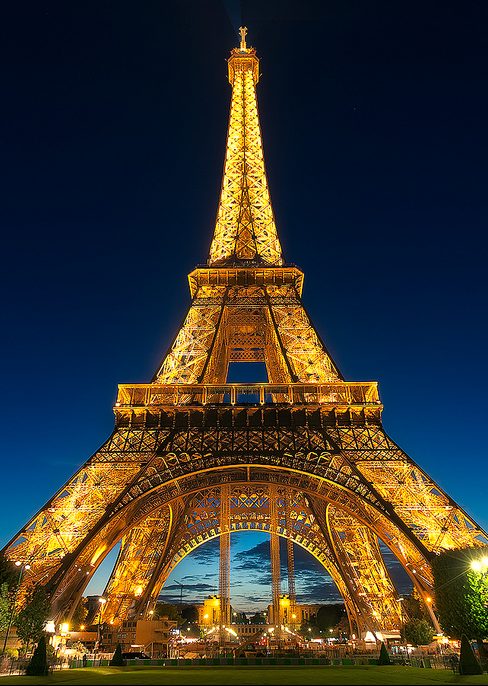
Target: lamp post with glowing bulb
481,567
400,601
21,567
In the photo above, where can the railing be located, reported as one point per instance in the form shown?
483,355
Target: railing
338,393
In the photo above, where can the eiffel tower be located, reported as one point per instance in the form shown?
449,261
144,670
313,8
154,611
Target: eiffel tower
303,456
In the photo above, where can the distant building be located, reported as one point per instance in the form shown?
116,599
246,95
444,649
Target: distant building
148,635
292,614
209,612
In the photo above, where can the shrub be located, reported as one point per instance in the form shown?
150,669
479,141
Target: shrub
38,665
117,659
468,664
384,658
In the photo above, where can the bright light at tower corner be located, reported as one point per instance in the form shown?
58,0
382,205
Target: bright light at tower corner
480,565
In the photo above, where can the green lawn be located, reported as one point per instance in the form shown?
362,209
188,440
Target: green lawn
207,676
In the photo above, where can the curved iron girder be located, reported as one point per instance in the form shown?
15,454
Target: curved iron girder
138,509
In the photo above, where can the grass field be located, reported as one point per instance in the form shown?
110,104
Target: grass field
203,676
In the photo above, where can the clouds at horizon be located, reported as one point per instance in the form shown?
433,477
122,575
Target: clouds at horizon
251,574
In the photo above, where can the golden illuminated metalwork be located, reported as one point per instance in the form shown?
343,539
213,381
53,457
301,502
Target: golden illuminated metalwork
290,555
191,458
224,568
274,551
245,227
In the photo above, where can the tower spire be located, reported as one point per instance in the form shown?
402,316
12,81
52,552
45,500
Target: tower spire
243,32
245,230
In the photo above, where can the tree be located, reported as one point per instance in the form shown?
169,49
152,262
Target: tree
384,658
419,632
117,659
309,630
258,618
468,664
413,608
190,613
9,578
5,606
9,573
461,594
190,630
329,616
170,611
239,618
31,620
38,665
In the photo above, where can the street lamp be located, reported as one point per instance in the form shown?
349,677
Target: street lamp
400,600
14,603
480,565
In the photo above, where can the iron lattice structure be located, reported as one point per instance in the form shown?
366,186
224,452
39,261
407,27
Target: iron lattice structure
191,457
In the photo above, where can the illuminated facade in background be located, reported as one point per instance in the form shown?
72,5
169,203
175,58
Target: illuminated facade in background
191,458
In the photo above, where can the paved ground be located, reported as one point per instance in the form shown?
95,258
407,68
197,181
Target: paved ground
280,675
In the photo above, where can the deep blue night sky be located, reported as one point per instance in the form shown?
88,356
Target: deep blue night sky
113,125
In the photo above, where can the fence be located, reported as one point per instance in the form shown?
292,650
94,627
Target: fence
430,662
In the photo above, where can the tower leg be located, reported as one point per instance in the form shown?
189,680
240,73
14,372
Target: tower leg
224,571
290,559
275,555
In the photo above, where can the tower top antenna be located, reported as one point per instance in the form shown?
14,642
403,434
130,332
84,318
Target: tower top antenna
243,31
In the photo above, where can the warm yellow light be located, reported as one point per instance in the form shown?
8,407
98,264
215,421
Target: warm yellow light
428,599
82,627
476,566
205,616
484,561
64,628
102,600
293,616
138,591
